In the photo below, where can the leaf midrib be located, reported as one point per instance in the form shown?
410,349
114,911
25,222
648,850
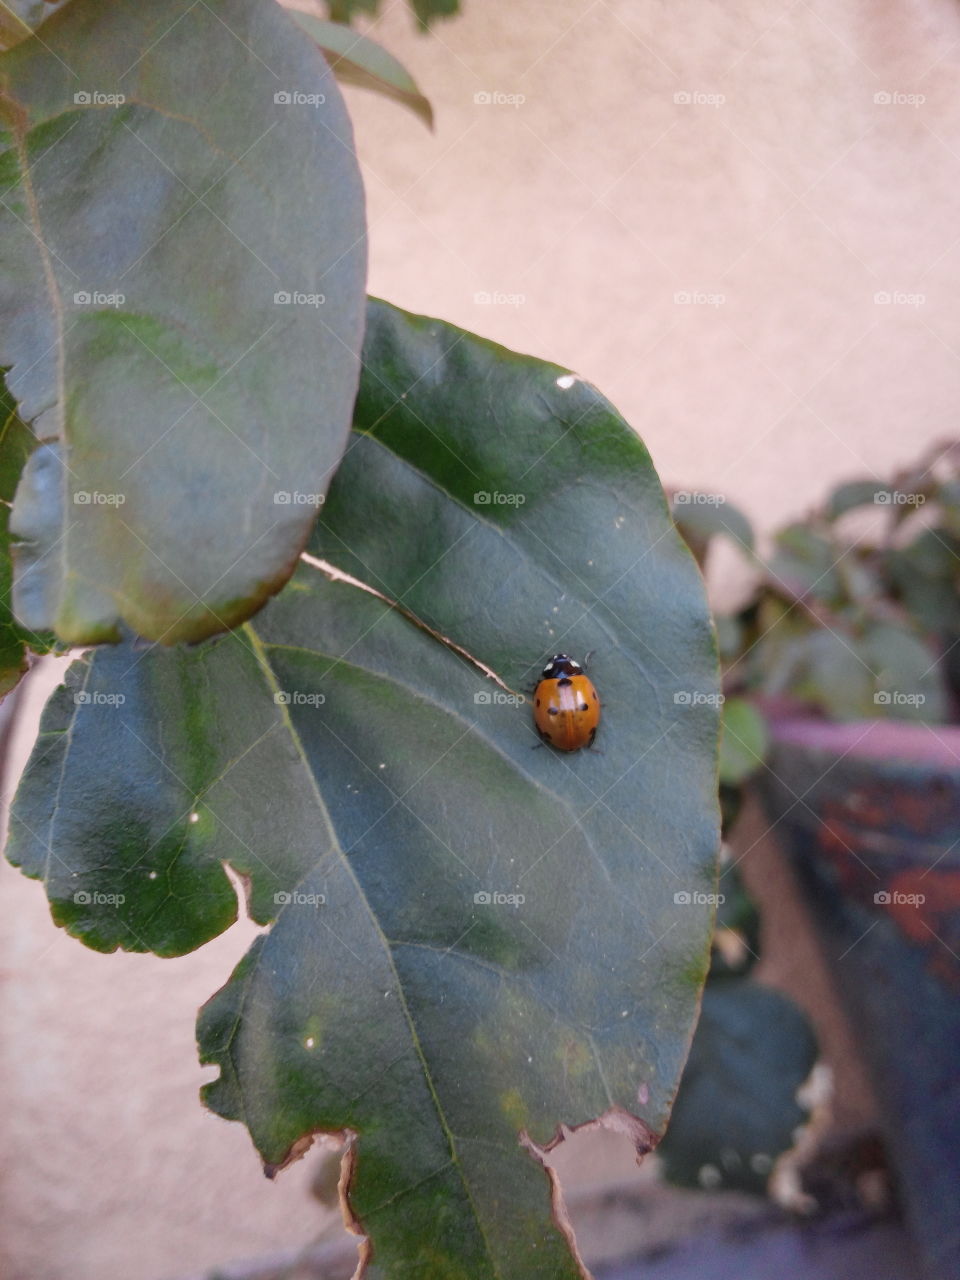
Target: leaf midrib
260,654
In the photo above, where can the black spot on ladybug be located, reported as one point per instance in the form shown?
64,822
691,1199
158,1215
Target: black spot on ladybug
552,711
564,681
584,707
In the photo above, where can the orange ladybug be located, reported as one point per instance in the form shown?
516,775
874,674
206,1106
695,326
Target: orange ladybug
566,709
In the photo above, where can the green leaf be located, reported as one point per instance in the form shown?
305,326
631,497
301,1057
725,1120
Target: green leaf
884,670
159,199
425,10
17,442
926,575
736,1110
700,522
20,18
857,493
805,564
743,740
472,941
357,60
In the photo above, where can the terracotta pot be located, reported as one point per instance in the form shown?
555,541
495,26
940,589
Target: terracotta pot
870,813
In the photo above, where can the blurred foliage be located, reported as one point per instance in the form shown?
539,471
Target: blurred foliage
856,610
736,1111
425,10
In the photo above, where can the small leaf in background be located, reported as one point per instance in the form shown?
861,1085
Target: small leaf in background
472,941
701,521
743,740
857,493
804,563
17,442
926,575
20,18
357,60
424,10
183,306
736,1110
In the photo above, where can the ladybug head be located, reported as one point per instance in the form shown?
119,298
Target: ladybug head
561,665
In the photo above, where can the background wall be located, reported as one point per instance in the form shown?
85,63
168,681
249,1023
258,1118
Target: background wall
781,185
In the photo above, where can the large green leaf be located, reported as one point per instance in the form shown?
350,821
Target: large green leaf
172,173
472,940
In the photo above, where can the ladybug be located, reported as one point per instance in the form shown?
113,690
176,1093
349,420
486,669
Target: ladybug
566,709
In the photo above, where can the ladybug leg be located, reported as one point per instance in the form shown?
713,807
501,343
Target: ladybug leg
586,658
